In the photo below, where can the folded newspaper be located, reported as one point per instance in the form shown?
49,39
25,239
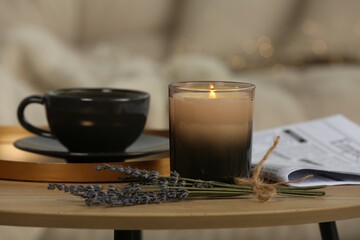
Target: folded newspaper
327,148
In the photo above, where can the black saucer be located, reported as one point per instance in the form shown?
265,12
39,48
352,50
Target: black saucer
145,145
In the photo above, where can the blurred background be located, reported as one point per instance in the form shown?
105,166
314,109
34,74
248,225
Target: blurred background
302,55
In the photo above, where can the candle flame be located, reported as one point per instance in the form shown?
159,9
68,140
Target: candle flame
212,92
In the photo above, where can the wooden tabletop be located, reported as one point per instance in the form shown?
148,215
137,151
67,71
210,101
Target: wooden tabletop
25,203
31,204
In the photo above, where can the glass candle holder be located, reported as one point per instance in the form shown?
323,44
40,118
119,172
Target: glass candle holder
211,129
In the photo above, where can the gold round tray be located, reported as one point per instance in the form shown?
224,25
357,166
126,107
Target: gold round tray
16,164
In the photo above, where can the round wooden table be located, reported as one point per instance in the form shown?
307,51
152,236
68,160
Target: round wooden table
31,204
24,203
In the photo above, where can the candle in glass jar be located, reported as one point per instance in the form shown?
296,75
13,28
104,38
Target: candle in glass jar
211,129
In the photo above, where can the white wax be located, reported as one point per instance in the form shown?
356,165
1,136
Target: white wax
198,117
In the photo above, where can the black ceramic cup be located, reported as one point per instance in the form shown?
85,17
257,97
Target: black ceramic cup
91,119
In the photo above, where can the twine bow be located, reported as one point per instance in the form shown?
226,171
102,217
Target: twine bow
264,192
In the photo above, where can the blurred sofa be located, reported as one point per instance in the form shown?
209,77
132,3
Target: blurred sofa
303,57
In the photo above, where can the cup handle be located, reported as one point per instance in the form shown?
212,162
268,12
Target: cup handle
25,123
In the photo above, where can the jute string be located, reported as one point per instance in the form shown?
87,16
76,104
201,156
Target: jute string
264,192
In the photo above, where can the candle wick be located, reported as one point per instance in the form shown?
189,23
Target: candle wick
212,92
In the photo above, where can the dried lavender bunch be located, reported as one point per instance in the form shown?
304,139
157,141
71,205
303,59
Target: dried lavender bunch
149,187
131,194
